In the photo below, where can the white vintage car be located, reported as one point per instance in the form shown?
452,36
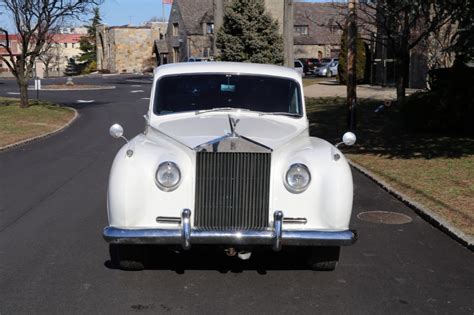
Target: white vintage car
226,159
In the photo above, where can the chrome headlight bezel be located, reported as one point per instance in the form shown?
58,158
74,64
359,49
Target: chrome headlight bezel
160,185
297,190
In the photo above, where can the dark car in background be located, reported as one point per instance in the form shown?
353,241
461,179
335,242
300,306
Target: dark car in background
309,64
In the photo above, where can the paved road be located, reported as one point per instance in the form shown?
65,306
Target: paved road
53,259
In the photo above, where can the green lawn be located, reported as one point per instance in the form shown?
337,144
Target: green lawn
17,124
434,170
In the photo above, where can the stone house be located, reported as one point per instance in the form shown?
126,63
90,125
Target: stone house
318,29
128,49
14,45
192,27
61,47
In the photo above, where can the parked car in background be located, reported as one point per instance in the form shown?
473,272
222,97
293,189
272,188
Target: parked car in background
299,67
309,64
226,161
327,68
200,59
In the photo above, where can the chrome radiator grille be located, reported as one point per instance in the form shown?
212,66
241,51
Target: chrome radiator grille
232,190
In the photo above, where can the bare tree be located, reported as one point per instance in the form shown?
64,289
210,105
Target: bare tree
33,21
402,25
51,55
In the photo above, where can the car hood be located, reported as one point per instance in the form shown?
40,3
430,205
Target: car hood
271,131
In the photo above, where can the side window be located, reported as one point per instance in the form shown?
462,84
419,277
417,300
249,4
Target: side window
294,102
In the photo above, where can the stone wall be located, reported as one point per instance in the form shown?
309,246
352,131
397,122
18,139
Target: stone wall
200,46
276,10
317,51
127,49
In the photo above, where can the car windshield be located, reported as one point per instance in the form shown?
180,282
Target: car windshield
202,92
325,61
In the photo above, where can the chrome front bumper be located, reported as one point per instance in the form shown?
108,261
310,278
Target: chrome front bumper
185,236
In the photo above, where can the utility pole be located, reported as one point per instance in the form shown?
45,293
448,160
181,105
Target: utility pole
218,22
288,41
351,64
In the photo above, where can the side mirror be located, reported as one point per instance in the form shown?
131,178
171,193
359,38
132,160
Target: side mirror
116,131
349,138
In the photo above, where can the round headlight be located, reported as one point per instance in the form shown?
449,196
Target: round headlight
168,176
297,178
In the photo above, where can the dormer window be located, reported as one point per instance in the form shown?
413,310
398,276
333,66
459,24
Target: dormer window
175,29
209,28
301,30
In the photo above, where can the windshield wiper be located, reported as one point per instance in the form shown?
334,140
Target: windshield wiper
281,113
198,112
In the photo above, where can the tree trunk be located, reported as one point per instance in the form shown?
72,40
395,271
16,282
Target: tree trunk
403,66
351,66
23,85
22,81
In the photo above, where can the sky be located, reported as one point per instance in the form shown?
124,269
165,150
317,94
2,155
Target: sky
123,12
136,12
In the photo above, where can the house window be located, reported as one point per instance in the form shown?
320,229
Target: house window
209,28
65,45
301,30
73,45
176,54
175,29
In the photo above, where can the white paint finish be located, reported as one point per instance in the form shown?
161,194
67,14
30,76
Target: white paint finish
134,201
137,91
13,93
194,130
85,101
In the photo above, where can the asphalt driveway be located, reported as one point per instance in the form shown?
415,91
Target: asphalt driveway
53,259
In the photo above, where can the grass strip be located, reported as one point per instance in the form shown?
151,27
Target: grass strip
17,124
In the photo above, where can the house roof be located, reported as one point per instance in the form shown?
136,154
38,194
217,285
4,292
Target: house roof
161,46
322,19
14,45
66,38
195,13
10,36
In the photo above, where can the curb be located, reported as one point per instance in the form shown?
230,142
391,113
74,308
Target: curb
42,136
425,213
113,87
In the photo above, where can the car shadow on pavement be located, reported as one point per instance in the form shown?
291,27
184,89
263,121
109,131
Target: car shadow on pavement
202,258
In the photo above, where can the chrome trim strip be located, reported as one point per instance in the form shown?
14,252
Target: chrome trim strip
186,229
251,237
277,228
174,220
295,220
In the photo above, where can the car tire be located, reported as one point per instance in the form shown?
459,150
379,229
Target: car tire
324,258
127,257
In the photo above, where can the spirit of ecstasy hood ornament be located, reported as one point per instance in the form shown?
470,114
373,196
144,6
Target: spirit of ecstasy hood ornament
233,123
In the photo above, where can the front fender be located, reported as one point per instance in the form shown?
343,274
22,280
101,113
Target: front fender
133,198
327,203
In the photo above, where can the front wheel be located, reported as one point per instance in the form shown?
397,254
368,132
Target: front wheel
127,257
324,258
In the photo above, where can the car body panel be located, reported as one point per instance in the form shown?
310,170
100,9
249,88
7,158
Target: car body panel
134,200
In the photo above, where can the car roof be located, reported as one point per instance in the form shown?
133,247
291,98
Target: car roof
226,67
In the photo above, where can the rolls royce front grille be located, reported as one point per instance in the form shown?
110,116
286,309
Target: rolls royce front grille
232,190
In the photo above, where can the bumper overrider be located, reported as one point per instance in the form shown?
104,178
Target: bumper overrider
185,235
